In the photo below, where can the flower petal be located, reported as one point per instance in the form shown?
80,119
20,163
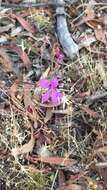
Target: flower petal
45,97
59,94
54,96
54,83
44,83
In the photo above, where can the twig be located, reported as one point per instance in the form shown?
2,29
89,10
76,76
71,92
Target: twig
91,99
101,164
95,4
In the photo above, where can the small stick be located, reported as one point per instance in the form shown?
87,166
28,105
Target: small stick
101,164
91,99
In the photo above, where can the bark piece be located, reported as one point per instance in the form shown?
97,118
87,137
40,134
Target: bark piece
70,48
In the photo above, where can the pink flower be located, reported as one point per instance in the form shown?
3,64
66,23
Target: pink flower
51,90
59,55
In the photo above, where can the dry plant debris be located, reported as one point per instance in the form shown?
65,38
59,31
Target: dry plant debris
53,105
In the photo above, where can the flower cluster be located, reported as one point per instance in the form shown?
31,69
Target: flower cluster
51,91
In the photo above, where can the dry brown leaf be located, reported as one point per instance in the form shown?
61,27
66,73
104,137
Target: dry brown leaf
13,89
26,148
48,116
15,31
29,105
98,30
89,10
46,73
67,111
7,63
31,169
90,14
25,24
94,23
54,160
27,95
102,149
6,28
3,39
104,20
94,184
101,70
86,40
71,187
83,94
90,112
61,179
100,34
22,55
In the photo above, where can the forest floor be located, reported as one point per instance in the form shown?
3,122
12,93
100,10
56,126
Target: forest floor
53,109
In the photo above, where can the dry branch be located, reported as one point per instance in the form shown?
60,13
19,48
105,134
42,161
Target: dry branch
70,48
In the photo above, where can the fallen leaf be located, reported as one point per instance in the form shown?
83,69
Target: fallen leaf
90,112
6,28
25,24
7,62
104,20
13,89
102,149
100,34
98,29
29,105
26,148
13,92
83,94
71,187
86,40
103,173
27,96
53,160
95,24
94,184
90,9
90,14
31,169
16,31
3,153
48,115
22,54
46,73
102,72
3,39
61,179
43,150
